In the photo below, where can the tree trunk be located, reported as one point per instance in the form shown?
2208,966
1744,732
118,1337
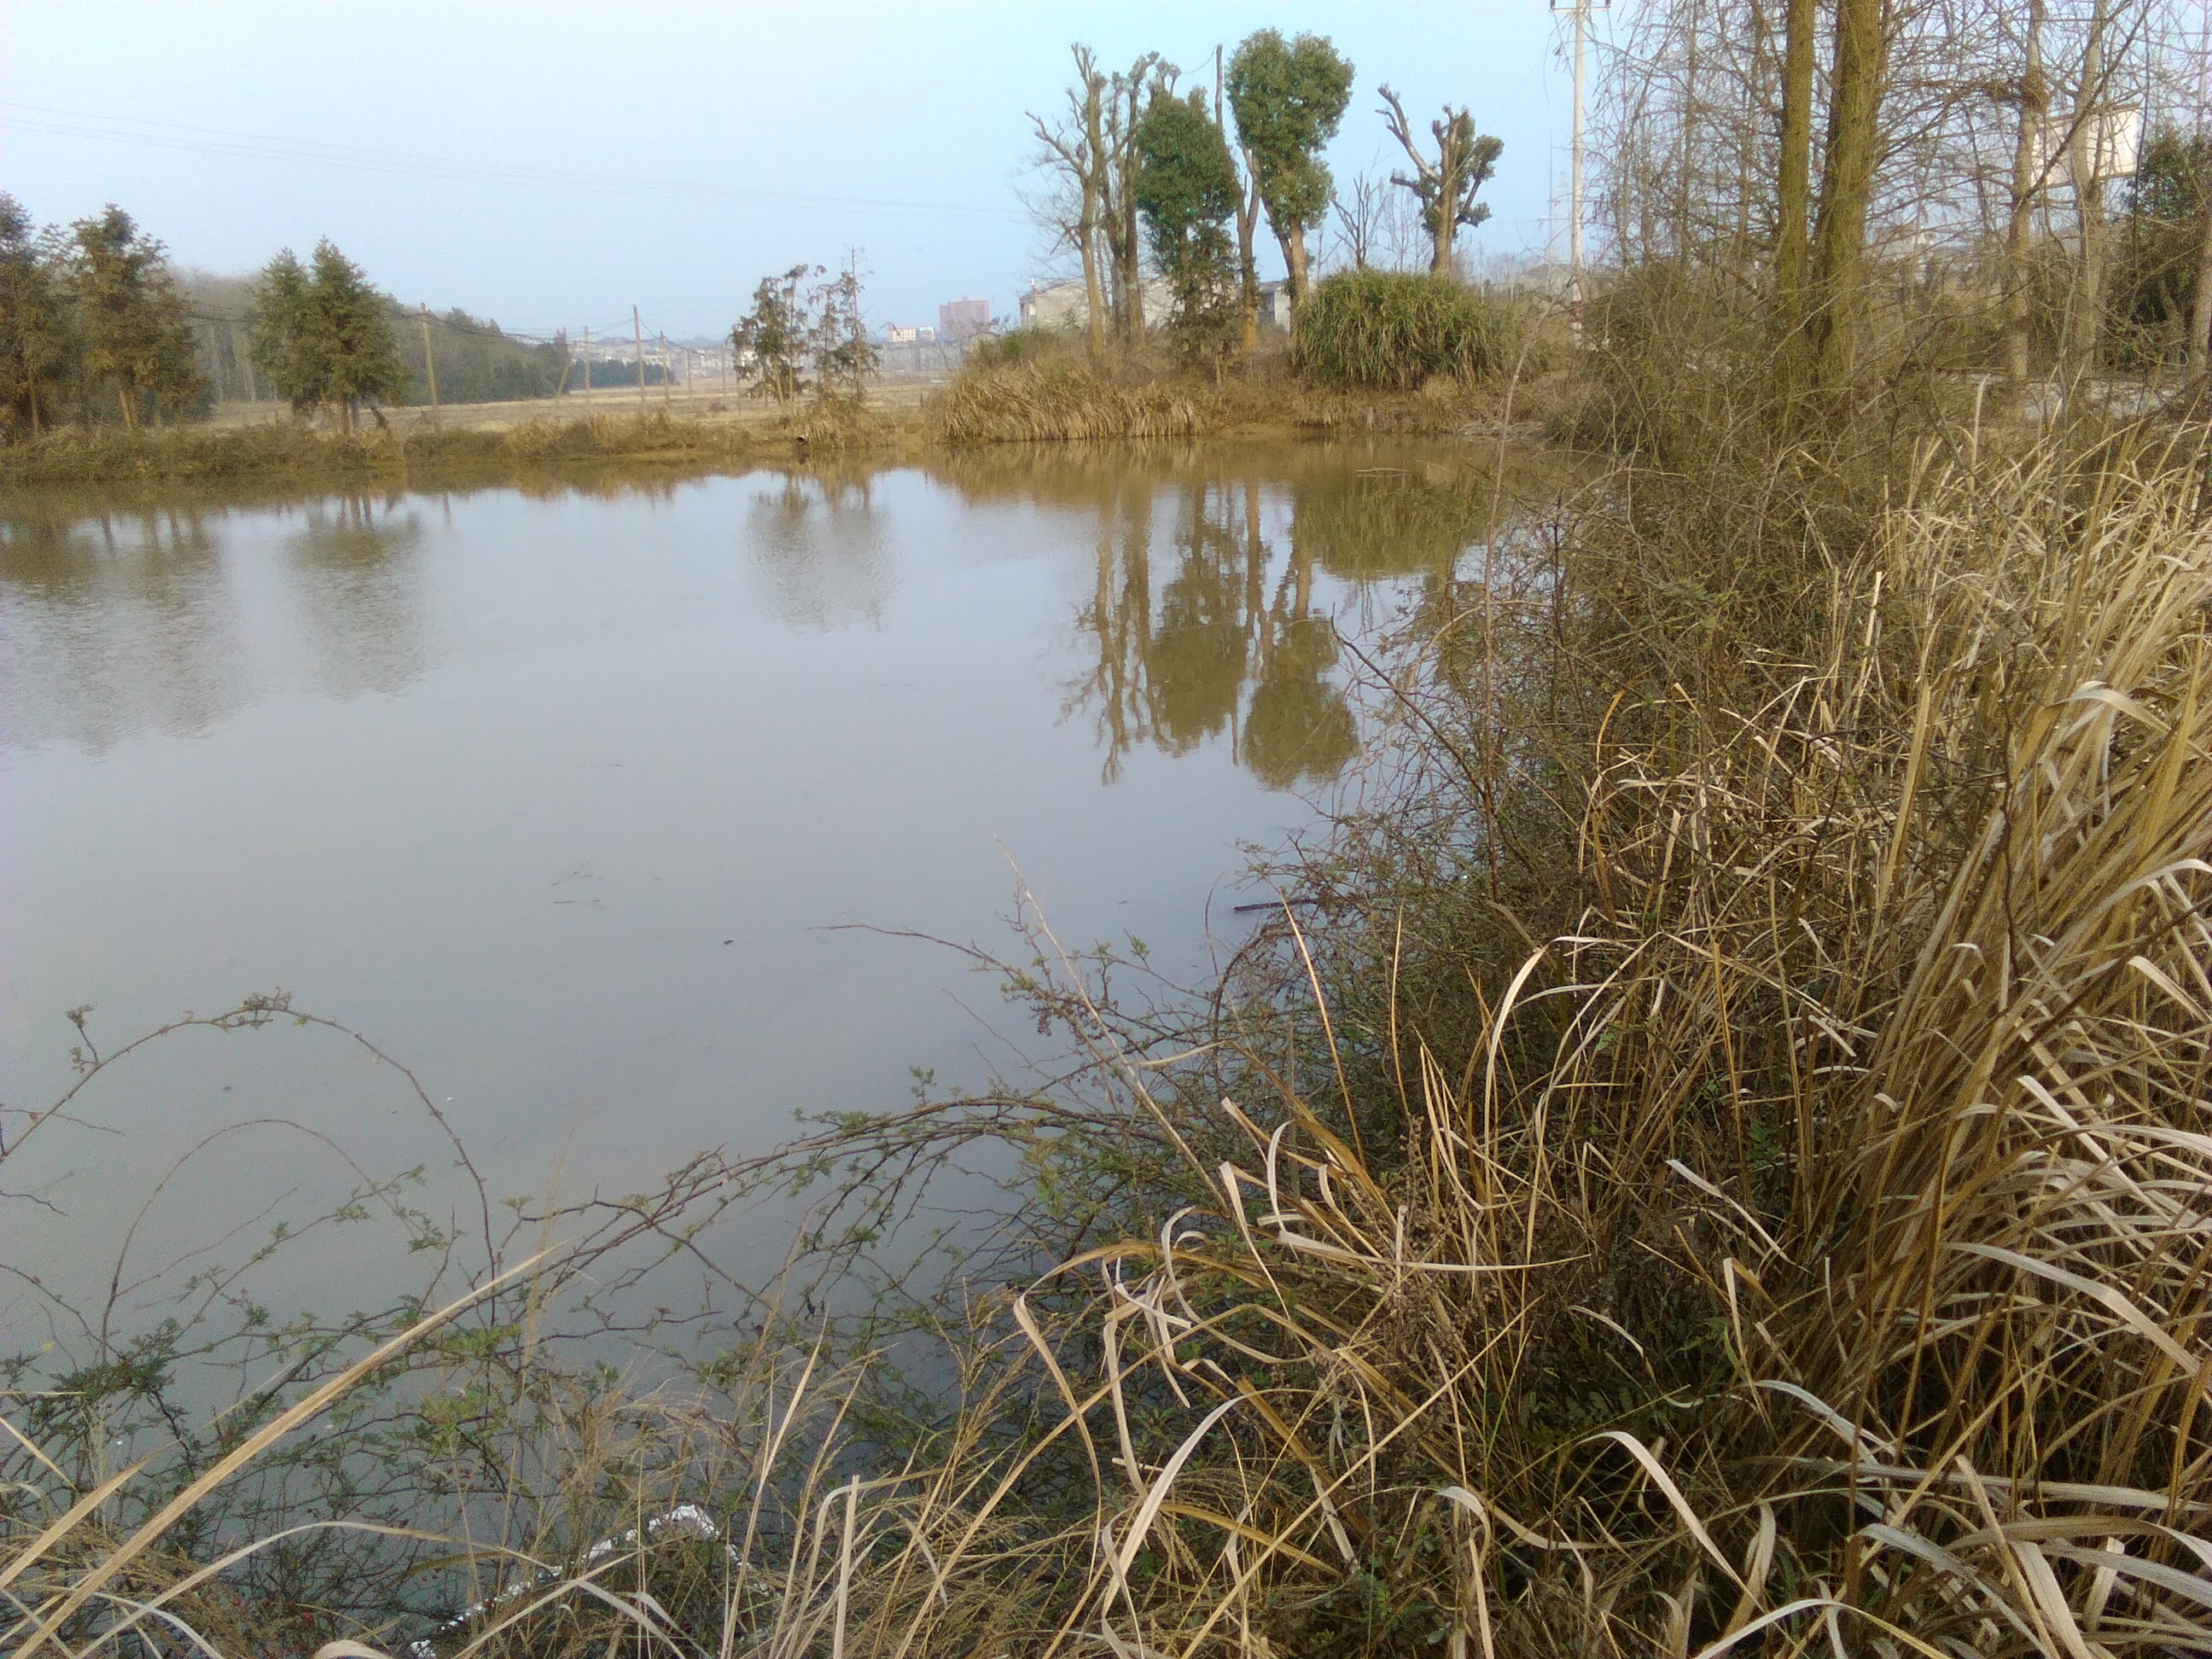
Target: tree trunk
1794,191
2035,106
1248,274
2085,323
2200,303
1086,236
1294,262
1846,183
130,407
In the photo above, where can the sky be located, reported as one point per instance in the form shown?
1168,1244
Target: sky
555,165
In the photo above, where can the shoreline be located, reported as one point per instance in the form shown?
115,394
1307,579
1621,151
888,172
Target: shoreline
1016,407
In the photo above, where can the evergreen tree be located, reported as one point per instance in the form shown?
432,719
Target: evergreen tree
1185,189
280,322
353,326
134,330
774,335
37,336
324,338
1288,98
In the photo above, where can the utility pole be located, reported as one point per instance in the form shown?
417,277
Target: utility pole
637,336
1581,8
664,367
587,362
429,361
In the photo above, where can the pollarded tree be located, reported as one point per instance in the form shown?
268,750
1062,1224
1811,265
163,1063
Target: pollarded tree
325,337
37,333
1186,188
1444,186
131,318
1289,97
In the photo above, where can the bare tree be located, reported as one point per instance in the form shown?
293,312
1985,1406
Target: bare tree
1075,149
1360,213
1125,96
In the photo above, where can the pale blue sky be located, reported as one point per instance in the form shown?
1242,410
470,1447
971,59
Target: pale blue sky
666,155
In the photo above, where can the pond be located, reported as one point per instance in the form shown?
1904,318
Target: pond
623,810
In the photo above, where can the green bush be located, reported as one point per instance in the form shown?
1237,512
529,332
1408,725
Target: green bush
1024,345
1391,329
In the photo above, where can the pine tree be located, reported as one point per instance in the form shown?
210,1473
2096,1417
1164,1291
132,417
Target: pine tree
325,337
353,325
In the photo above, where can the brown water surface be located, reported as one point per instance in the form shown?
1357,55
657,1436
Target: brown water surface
564,795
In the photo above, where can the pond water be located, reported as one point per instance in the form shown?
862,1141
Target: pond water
612,808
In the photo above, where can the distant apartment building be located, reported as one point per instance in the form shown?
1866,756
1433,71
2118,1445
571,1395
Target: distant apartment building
895,335
962,319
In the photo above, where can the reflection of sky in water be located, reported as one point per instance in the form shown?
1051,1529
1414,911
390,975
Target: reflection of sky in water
562,797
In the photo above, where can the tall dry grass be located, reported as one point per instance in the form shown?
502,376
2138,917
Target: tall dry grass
1806,1249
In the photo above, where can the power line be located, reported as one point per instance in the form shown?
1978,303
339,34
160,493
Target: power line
261,147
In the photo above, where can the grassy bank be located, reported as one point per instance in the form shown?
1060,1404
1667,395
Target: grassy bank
296,452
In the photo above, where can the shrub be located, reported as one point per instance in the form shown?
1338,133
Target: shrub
1392,329
1024,345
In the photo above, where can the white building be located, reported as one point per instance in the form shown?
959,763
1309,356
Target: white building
1060,307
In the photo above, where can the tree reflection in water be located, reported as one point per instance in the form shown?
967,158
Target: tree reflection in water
1213,629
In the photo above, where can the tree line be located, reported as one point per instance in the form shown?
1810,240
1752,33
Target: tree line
1879,182
91,323
97,327
1145,171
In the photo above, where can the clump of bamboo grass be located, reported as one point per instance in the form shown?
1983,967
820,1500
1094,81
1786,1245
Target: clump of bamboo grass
1397,329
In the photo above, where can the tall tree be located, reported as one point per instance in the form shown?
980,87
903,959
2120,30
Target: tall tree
1445,186
1794,183
2031,96
1288,98
1075,148
132,322
37,333
2087,143
1124,108
1187,190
